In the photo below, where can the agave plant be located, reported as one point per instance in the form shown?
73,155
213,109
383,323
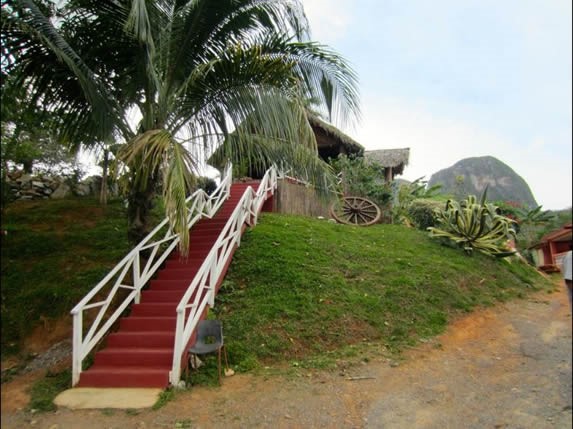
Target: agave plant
474,225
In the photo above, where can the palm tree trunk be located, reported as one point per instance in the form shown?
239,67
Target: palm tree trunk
139,206
105,168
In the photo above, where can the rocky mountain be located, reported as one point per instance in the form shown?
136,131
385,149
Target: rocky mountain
472,175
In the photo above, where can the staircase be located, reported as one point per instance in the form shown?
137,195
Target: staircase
140,352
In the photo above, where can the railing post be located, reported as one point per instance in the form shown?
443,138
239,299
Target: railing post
77,348
136,278
175,373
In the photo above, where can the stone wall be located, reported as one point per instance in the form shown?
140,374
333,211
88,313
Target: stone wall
27,187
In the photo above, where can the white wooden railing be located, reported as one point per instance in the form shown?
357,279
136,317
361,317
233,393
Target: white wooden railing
133,272
203,286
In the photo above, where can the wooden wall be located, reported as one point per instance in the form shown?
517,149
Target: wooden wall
297,199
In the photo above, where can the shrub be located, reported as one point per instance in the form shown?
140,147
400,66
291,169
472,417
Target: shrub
408,193
363,178
472,225
422,212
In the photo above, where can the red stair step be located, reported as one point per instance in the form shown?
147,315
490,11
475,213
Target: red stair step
147,323
178,274
160,296
147,339
166,284
154,309
132,356
181,264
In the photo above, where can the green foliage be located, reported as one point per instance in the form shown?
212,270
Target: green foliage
164,397
29,139
535,216
199,74
55,251
44,391
530,224
474,226
421,212
406,195
362,178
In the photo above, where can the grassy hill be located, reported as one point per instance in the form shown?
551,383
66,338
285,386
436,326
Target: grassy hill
300,291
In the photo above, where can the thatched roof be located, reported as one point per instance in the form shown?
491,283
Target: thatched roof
349,144
389,157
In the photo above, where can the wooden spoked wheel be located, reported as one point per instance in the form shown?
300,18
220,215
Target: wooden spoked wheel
355,211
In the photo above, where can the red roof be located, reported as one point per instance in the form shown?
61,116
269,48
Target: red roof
563,234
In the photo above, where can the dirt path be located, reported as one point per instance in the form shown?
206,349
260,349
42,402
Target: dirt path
506,367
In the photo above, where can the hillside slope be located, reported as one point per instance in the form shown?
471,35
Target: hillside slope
298,287
472,175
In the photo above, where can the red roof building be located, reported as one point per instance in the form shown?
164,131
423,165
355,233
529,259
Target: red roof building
552,248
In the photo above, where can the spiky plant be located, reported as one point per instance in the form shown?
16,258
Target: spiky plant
474,225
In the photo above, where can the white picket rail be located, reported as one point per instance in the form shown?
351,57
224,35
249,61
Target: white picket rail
203,286
131,275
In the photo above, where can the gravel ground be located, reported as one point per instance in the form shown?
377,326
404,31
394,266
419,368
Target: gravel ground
504,367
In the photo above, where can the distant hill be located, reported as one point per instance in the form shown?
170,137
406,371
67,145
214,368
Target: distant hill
472,175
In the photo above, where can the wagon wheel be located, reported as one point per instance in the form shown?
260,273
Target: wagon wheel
355,211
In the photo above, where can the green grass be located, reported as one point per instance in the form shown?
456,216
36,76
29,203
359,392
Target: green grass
54,253
44,391
300,293
305,292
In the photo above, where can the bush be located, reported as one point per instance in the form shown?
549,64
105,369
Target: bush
422,212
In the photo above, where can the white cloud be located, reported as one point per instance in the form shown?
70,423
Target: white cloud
329,19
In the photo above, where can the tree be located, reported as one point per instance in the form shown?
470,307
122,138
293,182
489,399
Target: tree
26,134
193,70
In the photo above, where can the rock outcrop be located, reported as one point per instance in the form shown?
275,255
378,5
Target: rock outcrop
472,175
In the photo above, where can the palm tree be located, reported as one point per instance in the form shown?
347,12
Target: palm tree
195,73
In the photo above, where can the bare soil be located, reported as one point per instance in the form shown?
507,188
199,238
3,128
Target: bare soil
504,367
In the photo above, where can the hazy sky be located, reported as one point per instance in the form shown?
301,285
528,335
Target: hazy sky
453,79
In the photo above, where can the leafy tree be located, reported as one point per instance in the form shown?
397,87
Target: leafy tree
529,224
27,139
194,71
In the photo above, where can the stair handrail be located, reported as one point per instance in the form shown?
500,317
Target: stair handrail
204,284
129,273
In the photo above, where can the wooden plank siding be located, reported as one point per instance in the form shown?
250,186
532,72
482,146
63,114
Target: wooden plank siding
297,199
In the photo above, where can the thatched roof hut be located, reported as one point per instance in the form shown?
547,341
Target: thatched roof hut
393,160
332,142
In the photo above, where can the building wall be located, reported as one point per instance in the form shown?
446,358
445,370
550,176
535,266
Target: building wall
297,199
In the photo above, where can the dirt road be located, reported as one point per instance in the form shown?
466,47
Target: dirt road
505,367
